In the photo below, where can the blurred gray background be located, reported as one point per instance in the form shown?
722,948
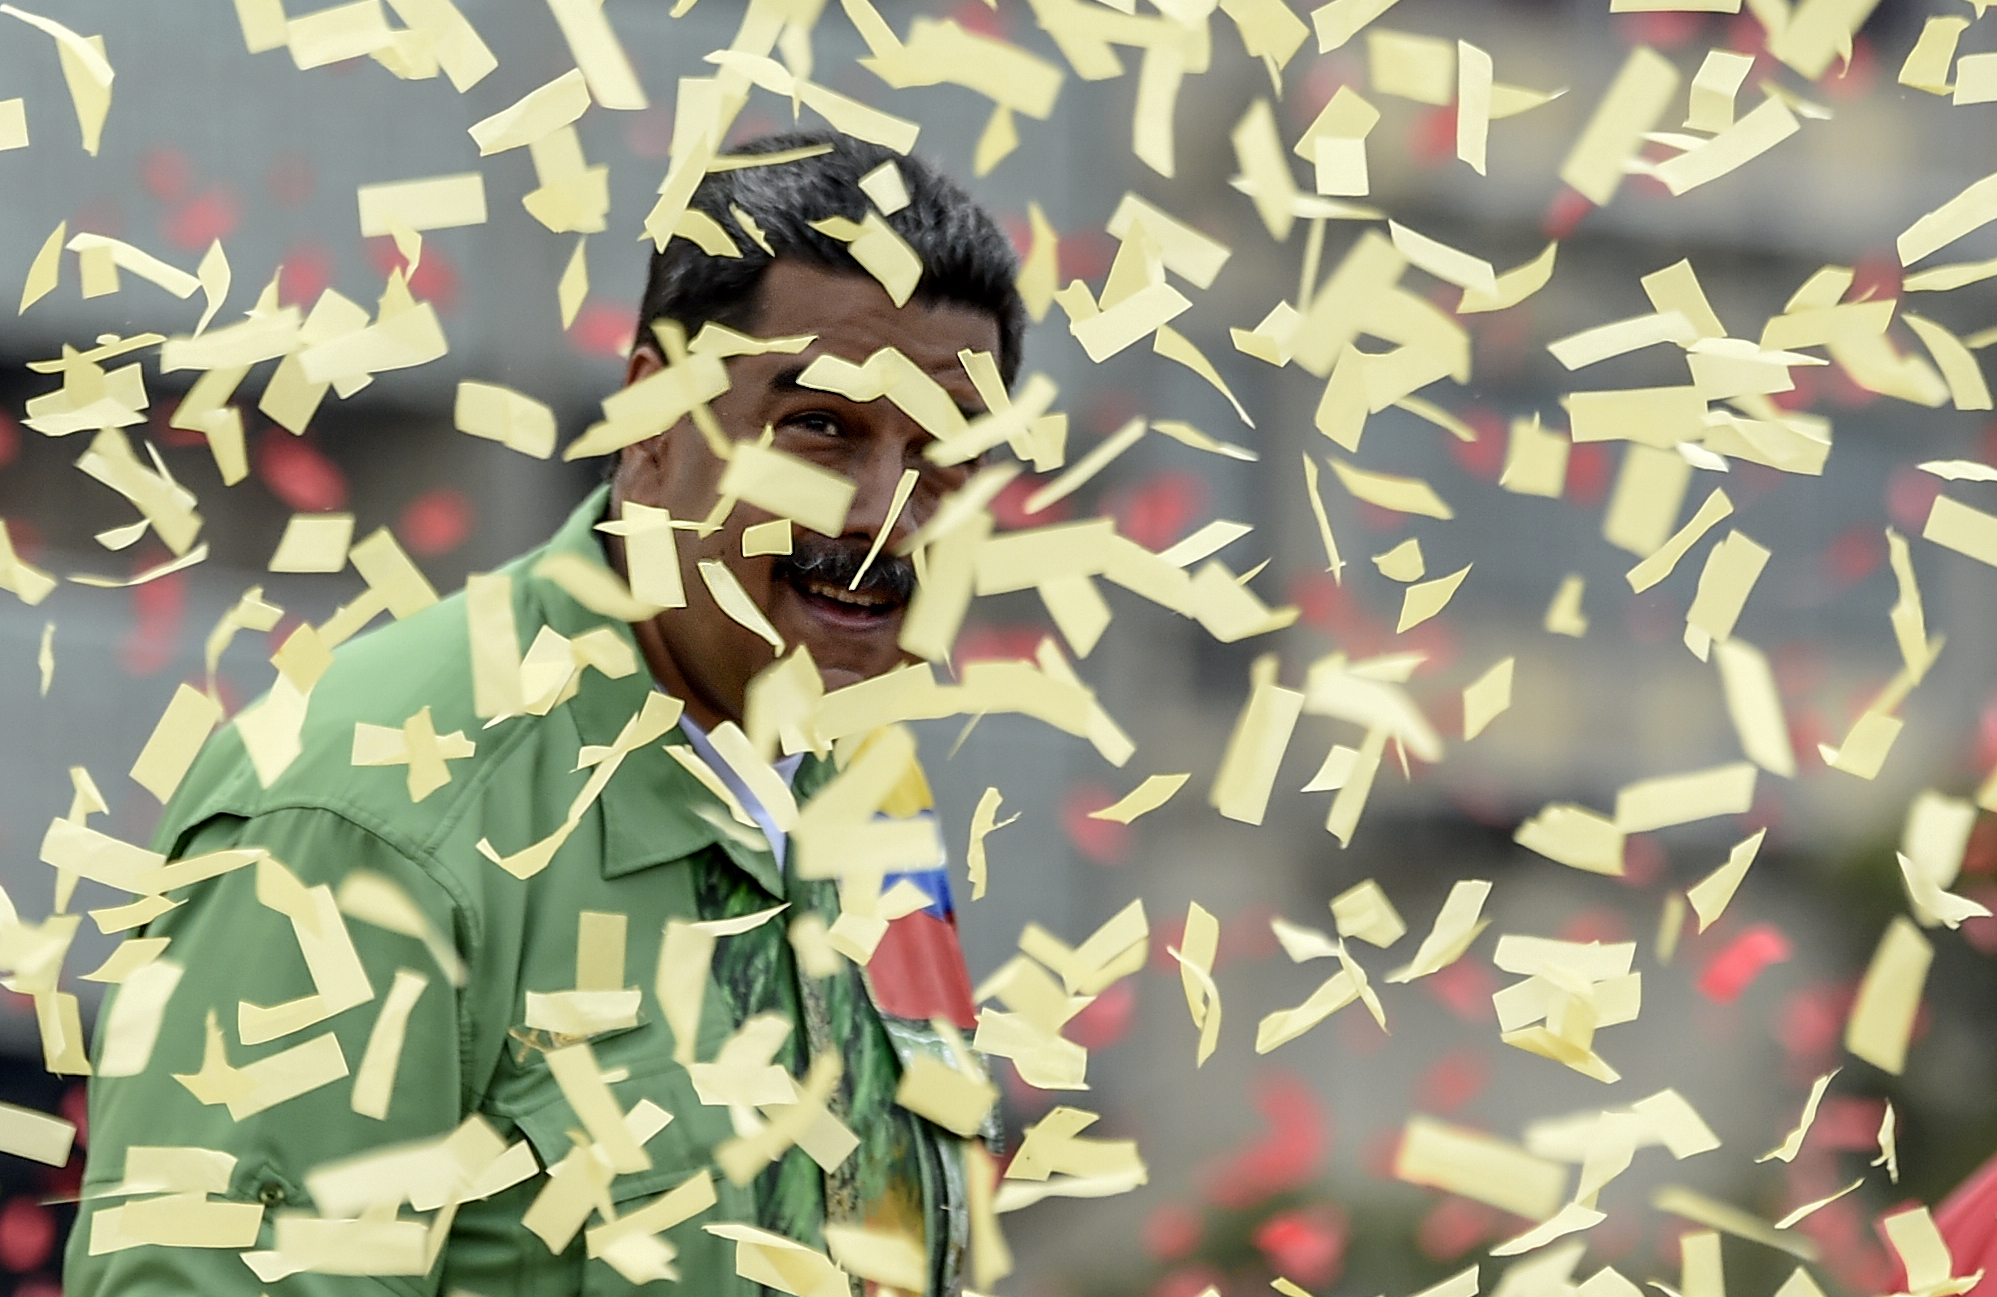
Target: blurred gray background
1259,1165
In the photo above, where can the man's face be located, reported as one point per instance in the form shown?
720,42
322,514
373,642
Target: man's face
698,652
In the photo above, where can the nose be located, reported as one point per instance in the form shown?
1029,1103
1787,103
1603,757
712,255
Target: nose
883,492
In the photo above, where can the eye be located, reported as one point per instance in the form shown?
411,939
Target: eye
818,423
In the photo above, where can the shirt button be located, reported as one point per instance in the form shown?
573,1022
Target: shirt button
271,1195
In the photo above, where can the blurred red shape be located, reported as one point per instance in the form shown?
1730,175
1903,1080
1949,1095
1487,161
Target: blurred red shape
1464,988
1453,1080
27,1235
998,644
306,272
1288,1157
1484,457
1158,510
1171,1231
1433,137
1663,30
436,522
75,1108
1009,506
1597,923
290,180
1106,1021
165,173
1848,1122
298,474
1981,932
1455,1225
1854,555
1306,1245
159,607
1910,493
1735,966
10,439
1104,841
1587,474
1188,1281
435,280
601,329
200,221
1566,211
1968,1223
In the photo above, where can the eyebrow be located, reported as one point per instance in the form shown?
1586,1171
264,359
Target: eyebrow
786,380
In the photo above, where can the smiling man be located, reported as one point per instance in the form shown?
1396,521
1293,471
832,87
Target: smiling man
503,980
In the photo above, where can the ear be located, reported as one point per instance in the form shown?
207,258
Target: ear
645,361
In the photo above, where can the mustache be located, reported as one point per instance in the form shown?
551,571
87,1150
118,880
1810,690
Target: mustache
836,560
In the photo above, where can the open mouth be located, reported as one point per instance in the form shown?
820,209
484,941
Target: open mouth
822,574
867,607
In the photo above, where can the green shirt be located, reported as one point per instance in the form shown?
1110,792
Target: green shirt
654,847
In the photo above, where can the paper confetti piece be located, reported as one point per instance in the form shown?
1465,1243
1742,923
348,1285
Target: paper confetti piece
434,203
1487,697
1423,601
1479,1166
189,719
1399,494
1633,103
1576,837
1710,895
1457,924
1882,1017
1729,1219
1793,1143
1965,530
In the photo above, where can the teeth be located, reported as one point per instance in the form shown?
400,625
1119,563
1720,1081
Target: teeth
840,594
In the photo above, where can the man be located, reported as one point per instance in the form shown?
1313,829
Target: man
556,905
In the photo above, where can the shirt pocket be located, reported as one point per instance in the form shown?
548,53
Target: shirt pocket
682,1149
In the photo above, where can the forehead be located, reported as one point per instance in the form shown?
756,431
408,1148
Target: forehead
853,317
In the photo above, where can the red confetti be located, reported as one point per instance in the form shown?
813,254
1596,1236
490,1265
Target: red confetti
10,439
436,522
298,474
1288,1157
1307,1245
1733,969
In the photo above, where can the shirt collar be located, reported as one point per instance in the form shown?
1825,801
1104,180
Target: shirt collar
651,807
